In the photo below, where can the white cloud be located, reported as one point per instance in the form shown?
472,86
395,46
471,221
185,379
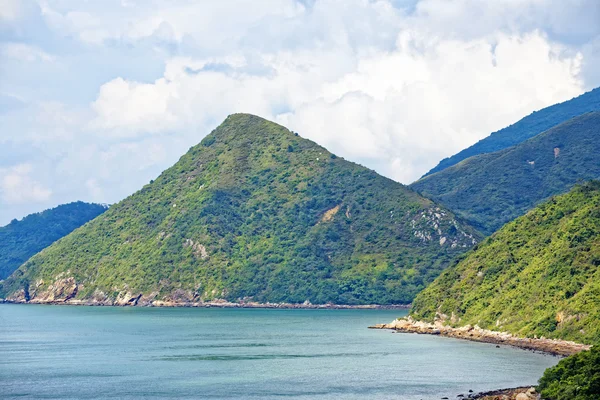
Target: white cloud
17,186
112,92
212,23
574,19
591,61
398,111
125,108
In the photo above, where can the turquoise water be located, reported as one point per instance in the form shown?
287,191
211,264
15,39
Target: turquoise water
105,352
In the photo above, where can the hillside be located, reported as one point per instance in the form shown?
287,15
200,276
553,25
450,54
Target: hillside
574,378
253,212
526,128
538,275
491,189
20,240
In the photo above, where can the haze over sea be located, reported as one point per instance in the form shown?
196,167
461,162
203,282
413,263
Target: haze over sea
108,352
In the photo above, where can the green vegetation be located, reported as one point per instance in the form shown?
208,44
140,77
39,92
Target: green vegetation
574,378
526,128
20,240
491,189
257,212
537,276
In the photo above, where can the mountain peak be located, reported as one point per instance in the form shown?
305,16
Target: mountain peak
247,129
253,212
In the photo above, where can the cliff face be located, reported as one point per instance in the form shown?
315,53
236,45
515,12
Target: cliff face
254,213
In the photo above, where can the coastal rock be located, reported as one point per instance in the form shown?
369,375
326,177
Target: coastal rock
522,393
100,298
19,296
61,290
129,299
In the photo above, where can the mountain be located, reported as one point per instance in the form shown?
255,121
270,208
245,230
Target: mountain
20,240
491,189
528,127
254,212
538,275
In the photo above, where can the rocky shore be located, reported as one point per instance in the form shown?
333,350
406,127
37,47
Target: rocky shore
477,334
522,393
67,291
208,304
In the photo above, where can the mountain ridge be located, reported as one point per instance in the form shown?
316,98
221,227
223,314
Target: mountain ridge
489,190
526,128
21,239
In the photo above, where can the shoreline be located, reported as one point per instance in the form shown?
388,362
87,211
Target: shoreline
527,392
214,304
555,347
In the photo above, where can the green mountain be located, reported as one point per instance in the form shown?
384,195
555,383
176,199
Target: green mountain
538,275
528,127
491,189
20,240
254,212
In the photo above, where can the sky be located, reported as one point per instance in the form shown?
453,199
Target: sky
97,97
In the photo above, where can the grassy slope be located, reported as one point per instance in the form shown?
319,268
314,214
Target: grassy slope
526,128
538,275
252,197
491,189
20,240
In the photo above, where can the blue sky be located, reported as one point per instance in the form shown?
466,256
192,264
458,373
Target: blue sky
97,97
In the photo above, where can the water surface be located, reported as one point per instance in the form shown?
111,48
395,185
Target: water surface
108,352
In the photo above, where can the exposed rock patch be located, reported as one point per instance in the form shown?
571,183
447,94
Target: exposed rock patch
329,214
198,249
61,290
432,224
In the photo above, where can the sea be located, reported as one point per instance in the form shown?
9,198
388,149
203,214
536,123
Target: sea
79,352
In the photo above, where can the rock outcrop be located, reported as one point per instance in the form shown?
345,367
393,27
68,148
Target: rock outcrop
523,393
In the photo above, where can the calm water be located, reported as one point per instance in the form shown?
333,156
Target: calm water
106,352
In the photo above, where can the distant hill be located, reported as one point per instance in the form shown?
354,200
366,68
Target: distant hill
20,240
526,128
491,189
254,212
538,275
